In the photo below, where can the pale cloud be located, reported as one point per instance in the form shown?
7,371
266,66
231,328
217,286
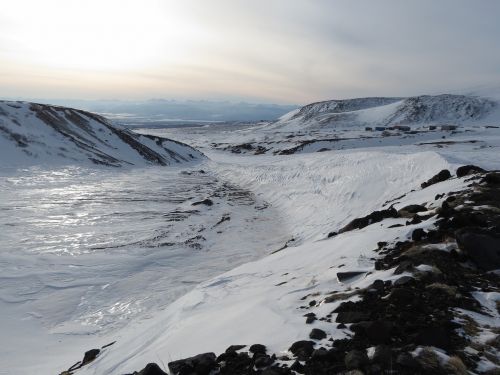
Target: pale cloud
269,50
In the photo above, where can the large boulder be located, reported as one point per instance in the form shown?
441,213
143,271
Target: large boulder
317,334
374,217
466,170
201,364
482,248
356,359
440,177
89,356
152,369
302,349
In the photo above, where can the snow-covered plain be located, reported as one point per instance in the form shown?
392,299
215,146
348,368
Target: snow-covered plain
92,255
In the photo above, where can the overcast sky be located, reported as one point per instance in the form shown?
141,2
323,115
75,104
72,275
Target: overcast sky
284,51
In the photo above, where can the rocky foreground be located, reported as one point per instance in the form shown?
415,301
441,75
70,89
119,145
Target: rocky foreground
433,319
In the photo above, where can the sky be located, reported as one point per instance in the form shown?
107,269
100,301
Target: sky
280,51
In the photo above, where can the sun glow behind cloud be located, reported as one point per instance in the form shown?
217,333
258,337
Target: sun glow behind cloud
271,50
105,35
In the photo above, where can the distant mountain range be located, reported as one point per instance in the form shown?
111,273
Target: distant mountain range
177,111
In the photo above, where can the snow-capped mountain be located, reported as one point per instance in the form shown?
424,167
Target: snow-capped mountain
33,133
424,109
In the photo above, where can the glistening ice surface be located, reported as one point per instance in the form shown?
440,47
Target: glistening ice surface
85,250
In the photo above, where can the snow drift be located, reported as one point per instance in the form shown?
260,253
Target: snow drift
33,133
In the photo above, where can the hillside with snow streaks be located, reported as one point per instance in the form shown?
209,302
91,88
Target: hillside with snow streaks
423,109
33,134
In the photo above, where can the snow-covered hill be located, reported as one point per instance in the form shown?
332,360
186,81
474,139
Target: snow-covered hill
424,109
33,133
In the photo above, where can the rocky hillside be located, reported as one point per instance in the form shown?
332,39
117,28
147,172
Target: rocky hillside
411,288
424,109
33,133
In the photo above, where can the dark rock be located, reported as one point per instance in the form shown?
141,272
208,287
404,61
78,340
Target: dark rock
378,285
352,316
206,202
402,296
317,334
312,303
482,248
418,234
258,349
406,360
263,361
356,359
302,349
378,332
395,226
298,367
415,220
319,354
342,276
440,177
403,280
310,319
410,210
89,356
374,217
404,266
383,354
433,336
465,170
200,364
234,348
492,178
152,369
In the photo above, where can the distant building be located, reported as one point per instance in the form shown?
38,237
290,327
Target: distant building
448,127
368,129
379,128
402,128
432,127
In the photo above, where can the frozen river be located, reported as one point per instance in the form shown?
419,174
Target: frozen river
84,251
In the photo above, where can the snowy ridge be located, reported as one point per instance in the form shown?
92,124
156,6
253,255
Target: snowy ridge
33,133
424,109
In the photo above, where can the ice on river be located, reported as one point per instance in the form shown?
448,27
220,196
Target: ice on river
85,251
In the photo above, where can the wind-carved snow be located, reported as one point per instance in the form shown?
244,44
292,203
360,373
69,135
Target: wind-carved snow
35,134
319,193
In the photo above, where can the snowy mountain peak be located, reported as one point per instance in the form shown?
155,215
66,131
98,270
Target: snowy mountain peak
33,133
424,109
